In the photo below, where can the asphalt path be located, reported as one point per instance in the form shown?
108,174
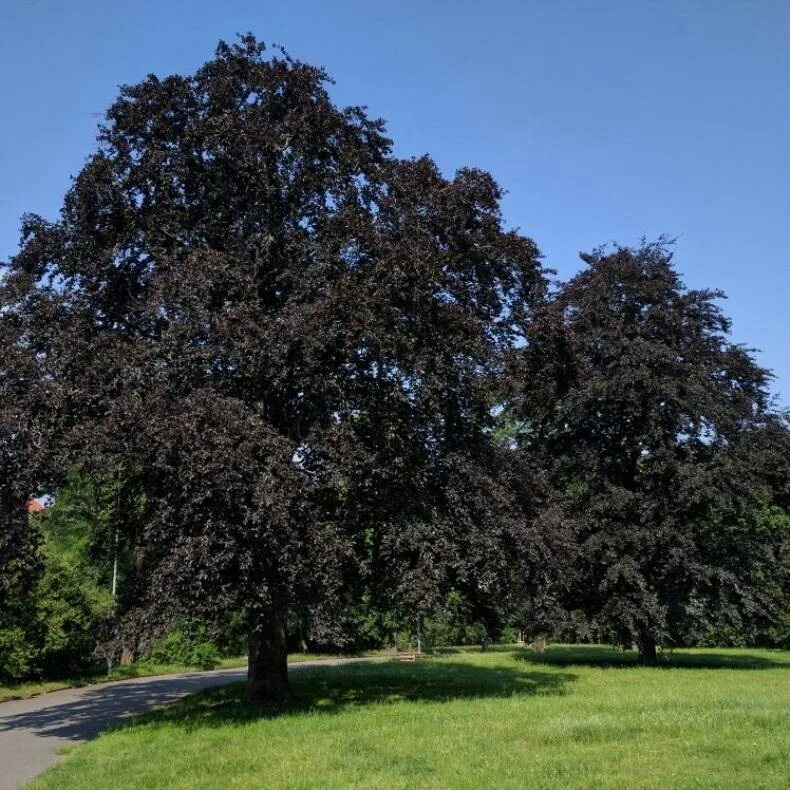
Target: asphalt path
34,731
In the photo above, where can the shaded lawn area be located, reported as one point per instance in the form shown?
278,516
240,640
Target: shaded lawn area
579,717
697,658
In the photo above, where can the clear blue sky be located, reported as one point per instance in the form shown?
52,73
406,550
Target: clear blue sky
604,120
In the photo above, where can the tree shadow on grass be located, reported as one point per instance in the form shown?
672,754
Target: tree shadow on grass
322,690
606,657
429,681
332,690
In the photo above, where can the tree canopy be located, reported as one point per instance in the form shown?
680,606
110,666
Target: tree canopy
647,418
285,338
319,382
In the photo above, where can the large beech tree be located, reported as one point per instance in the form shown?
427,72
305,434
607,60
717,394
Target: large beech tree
651,425
284,338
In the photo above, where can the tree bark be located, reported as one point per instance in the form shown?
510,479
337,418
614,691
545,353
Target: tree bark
267,672
648,656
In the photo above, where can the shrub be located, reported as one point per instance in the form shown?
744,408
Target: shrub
230,635
70,609
779,635
453,624
188,644
508,635
17,654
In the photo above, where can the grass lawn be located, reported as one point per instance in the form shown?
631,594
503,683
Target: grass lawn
139,669
575,717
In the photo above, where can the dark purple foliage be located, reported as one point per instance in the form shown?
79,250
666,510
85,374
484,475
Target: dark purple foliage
649,424
281,335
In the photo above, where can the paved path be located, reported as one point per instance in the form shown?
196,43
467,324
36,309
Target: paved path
33,731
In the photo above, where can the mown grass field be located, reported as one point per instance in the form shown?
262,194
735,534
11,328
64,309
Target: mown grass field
575,717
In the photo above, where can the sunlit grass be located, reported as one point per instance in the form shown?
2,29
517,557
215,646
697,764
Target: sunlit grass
579,717
32,688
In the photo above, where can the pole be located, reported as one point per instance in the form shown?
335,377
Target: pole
117,515
115,564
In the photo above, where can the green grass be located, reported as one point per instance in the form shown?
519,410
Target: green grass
574,717
32,688
139,669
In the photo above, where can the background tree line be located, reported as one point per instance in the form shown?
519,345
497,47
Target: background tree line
324,392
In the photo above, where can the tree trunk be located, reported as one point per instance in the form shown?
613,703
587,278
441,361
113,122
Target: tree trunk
127,656
267,673
648,656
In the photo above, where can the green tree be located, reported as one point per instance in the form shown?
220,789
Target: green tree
51,625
